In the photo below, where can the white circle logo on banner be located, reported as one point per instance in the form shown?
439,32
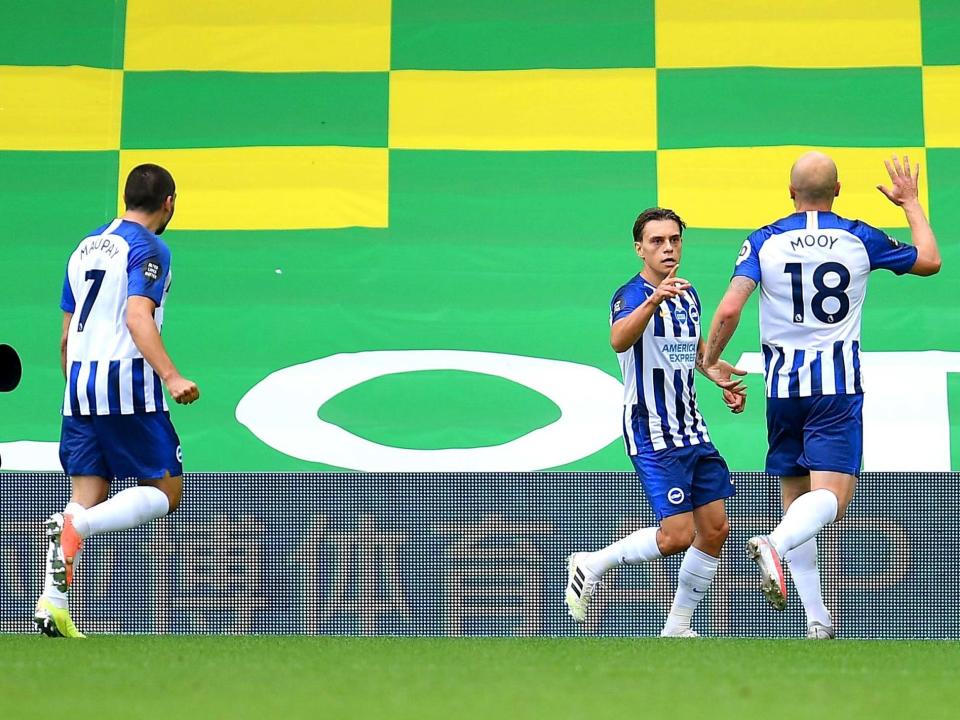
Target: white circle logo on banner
281,410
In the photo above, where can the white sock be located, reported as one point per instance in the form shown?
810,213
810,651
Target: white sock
807,516
74,509
635,548
802,561
697,571
127,509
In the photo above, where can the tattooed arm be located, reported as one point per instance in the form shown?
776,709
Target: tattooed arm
725,321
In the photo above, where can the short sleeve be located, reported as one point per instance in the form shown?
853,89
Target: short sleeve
147,268
748,259
626,300
68,302
885,252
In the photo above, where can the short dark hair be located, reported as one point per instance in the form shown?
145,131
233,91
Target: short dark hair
655,213
147,187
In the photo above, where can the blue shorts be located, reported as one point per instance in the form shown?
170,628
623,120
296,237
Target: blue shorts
120,447
823,432
677,480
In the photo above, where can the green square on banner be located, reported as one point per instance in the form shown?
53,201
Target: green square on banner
54,197
48,202
934,324
521,34
533,243
520,199
221,109
749,107
54,32
940,25
939,295
943,182
529,245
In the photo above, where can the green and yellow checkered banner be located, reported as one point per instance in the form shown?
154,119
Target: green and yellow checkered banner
359,175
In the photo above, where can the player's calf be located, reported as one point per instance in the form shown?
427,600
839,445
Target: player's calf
696,574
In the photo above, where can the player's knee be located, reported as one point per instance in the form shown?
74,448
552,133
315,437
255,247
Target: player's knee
715,535
675,540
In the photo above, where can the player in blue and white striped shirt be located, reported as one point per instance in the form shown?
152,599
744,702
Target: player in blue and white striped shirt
812,269
655,329
115,420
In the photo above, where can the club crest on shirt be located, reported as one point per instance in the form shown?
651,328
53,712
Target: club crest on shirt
681,315
151,270
694,313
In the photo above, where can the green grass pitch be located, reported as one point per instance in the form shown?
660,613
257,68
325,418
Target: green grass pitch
178,677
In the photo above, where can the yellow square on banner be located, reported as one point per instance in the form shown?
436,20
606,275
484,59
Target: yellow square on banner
524,110
258,35
272,188
60,108
749,187
941,106
808,34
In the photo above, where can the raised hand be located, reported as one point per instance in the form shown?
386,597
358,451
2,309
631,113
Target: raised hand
905,183
671,286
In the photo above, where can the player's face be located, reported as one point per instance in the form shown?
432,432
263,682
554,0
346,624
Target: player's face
661,245
169,205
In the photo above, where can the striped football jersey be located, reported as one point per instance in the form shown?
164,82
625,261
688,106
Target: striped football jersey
812,269
106,373
659,399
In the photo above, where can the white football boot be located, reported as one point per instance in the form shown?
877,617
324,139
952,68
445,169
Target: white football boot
818,631
686,632
581,586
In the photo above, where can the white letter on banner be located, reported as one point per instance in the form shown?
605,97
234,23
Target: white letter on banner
906,424
30,456
282,408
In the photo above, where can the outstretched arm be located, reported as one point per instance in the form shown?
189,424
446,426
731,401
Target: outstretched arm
904,192
725,321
